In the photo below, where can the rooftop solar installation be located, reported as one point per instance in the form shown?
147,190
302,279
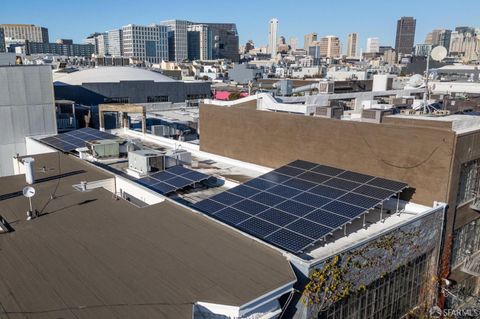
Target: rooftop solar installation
172,179
69,141
299,204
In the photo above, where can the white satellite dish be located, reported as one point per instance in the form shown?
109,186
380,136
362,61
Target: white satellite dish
415,81
28,191
439,53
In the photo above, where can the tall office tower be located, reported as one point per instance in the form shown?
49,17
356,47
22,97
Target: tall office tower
225,41
329,46
352,44
308,39
102,43
200,42
2,41
272,37
93,40
405,35
28,32
115,42
373,45
177,39
439,37
293,43
147,43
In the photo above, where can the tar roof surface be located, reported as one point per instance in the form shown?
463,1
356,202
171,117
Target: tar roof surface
91,256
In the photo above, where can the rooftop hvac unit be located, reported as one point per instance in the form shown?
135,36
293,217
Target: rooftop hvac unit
177,157
146,161
331,112
104,148
375,115
161,130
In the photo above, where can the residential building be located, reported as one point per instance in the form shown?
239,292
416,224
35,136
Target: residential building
200,42
405,36
272,37
390,57
26,32
26,109
115,42
352,44
64,49
177,39
308,40
329,46
146,43
373,45
2,41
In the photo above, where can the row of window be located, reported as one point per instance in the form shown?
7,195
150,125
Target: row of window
468,185
466,241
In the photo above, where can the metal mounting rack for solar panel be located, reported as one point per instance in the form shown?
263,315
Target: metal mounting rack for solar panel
172,179
299,204
69,141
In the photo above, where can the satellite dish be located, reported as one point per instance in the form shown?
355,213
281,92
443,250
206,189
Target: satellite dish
439,53
28,191
416,81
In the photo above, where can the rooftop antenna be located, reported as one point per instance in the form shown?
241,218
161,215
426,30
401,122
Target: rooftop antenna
29,192
438,54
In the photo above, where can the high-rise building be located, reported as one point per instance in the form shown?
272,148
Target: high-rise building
352,44
115,42
308,39
102,44
93,40
373,45
272,37
27,32
147,43
293,43
2,41
390,56
439,37
405,35
225,40
177,39
200,42
326,47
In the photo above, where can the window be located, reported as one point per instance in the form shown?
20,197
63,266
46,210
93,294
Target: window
468,180
117,100
466,241
160,98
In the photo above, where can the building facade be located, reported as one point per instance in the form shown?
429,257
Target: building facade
405,36
65,49
200,42
115,42
2,41
225,41
308,40
373,45
352,44
272,37
27,32
147,43
177,39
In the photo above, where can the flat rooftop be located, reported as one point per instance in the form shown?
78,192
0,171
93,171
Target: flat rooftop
91,255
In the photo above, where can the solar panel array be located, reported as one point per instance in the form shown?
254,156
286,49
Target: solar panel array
172,179
297,205
69,141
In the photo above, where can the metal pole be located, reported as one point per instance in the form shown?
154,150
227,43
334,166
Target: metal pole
425,95
381,213
30,202
398,204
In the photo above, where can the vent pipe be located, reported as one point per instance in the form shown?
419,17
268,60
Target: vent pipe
29,170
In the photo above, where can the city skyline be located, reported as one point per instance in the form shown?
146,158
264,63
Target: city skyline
252,24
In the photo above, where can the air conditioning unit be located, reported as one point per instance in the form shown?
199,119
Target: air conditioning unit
146,161
331,112
177,157
104,148
375,115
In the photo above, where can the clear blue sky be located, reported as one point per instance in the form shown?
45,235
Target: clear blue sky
76,19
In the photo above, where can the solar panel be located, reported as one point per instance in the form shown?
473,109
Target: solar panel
297,205
69,141
172,179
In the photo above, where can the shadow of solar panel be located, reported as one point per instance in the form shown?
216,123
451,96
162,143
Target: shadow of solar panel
231,216
375,192
274,177
314,177
227,198
344,209
195,176
209,206
163,188
387,184
243,191
356,177
309,228
303,164
328,219
179,182
177,170
299,184
267,199
257,227
289,240
250,207
260,184
359,200
327,170
295,208
341,184
284,191
277,217
290,171
326,191
312,199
